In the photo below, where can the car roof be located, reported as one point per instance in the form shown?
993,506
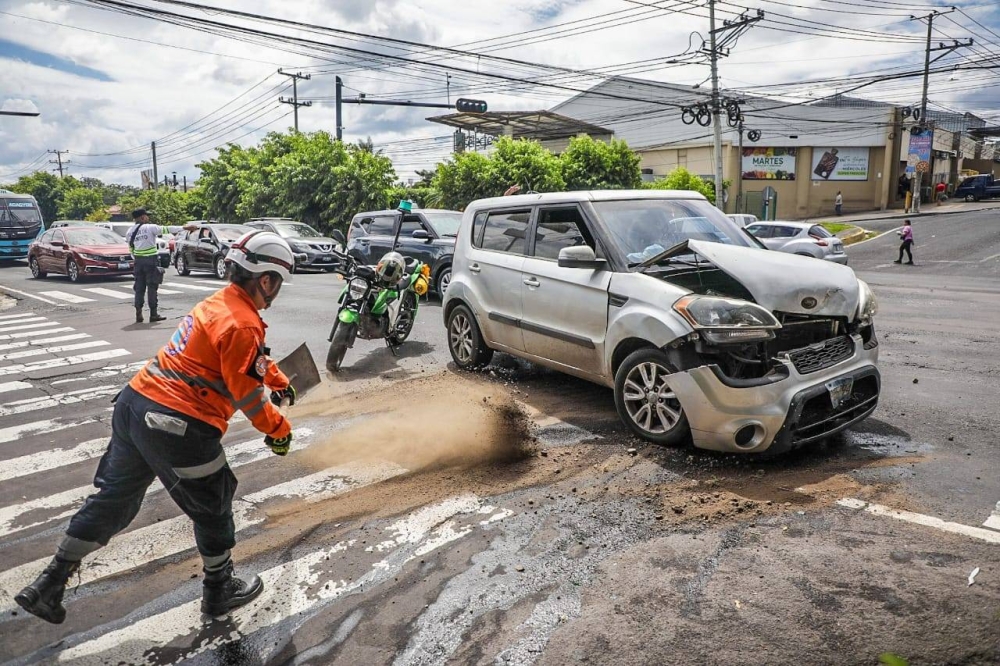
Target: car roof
415,210
783,223
589,195
275,219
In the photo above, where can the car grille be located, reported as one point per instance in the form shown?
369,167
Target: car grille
822,355
106,257
322,248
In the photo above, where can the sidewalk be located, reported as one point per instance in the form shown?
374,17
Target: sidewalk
926,210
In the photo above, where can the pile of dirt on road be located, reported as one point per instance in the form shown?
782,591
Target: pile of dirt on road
434,423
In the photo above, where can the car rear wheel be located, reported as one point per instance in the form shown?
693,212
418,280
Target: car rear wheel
36,269
465,340
73,270
181,265
645,401
221,271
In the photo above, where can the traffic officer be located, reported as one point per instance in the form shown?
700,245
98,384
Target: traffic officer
168,424
141,238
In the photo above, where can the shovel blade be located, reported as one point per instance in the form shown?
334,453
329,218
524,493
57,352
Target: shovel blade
301,370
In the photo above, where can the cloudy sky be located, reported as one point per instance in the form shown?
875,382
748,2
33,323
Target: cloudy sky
107,84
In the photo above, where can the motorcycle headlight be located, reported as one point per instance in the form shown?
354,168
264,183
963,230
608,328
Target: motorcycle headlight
357,288
727,320
868,304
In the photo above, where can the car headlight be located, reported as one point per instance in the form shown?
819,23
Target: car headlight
727,320
868,304
91,257
357,288
300,247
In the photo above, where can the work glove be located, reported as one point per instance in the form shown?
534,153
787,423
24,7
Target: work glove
279,397
279,446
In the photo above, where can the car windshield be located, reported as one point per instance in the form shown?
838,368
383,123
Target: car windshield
297,230
645,228
229,234
19,212
92,237
445,224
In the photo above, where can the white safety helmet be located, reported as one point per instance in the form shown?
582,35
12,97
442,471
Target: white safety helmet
390,268
263,252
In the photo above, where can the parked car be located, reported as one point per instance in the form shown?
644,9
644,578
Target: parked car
312,249
205,249
70,223
79,252
804,238
163,253
427,235
978,187
661,297
743,219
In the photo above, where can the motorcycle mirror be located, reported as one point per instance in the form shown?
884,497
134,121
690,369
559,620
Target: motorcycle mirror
338,236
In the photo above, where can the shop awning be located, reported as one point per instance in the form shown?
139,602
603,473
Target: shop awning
540,125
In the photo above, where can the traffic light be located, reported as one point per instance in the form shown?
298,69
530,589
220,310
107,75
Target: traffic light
470,105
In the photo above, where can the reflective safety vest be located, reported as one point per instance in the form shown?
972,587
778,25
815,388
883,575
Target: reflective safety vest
216,363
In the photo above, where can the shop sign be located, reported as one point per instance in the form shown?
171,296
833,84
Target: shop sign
768,164
840,163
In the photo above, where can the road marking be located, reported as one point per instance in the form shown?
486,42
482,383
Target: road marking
68,501
169,292
993,522
29,334
170,537
17,316
7,330
109,371
292,589
7,387
45,341
90,344
921,519
46,401
196,287
17,325
69,298
43,461
14,433
65,360
884,233
34,296
990,258
101,291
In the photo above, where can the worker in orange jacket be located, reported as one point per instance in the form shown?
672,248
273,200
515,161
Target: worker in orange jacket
169,421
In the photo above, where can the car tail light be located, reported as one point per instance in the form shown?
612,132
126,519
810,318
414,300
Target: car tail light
819,241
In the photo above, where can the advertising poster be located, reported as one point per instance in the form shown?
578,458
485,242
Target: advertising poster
840,164
769,164
919,154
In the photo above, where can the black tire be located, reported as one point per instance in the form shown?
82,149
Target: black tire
36,270
220,269
653,395
343,338
180,263
465,340
969,197
442,281
73,270
407,317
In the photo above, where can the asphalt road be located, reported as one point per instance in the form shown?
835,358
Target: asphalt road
411,524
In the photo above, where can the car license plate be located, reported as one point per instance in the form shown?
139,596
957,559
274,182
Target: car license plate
124,266
840,390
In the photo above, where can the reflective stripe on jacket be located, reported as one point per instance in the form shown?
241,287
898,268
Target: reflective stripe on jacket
216,363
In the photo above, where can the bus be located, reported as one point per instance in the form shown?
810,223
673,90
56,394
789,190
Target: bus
20,224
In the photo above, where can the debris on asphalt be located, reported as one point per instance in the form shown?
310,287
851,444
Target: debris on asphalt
632,451
916,381
972,576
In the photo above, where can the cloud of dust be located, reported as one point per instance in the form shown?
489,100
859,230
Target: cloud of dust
432,431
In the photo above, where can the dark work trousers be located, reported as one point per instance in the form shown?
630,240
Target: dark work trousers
905,247
150,441
147,279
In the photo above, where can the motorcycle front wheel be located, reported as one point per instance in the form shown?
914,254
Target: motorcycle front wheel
343,338
405,319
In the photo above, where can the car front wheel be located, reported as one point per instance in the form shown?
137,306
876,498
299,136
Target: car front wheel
221,271
73,270
645,400
465,340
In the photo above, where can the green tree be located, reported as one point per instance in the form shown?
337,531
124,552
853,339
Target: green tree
46,189
588,164
165,206
526,163
78,203
463,178
682,179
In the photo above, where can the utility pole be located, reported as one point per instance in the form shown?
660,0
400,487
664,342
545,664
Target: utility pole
340,111
58,160
156,175
295,93
923,125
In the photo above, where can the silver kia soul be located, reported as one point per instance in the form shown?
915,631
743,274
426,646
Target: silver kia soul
698,328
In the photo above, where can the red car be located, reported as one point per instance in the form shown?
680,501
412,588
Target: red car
79,252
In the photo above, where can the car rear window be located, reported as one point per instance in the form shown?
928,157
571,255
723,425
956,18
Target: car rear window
819,232
506,231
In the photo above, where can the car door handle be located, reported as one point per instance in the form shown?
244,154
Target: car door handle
474,268
532,282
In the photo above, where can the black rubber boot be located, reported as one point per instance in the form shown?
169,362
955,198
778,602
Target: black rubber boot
44,597
223,591
138,315
154,316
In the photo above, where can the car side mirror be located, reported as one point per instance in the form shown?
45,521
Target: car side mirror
338,236
421,234
580,256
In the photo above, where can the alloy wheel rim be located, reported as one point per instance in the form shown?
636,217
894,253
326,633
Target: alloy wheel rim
445,280
73,271
220,269
34,267
461,338
650,403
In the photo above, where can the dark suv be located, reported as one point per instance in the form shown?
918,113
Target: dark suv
426,234
206,248
312,249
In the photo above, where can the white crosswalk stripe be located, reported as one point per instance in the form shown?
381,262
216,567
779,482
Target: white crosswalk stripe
21,315
7,387
90,344
196,287
69,298
25,324
45,402
101,291
63,361
21,344
34,334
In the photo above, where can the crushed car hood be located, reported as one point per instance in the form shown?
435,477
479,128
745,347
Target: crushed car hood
784,282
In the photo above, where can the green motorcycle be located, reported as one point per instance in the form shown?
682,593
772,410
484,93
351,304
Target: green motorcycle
372,308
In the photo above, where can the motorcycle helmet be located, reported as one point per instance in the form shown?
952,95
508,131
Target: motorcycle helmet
390,268
262,252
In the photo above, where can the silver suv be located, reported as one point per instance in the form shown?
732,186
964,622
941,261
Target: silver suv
661,297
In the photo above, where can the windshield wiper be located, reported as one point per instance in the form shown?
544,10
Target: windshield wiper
666,254
449,235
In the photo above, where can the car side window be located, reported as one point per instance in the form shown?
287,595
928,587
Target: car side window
410,224
819,232
46,237
57,237
507,231
759,230
382,226
784,232
558,228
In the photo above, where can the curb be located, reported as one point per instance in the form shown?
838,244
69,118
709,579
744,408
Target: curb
852,236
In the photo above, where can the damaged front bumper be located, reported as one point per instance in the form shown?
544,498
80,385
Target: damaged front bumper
782,411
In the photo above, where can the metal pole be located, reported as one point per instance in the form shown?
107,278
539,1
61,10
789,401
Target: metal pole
156,174
716,108
917,176
739,174
340,111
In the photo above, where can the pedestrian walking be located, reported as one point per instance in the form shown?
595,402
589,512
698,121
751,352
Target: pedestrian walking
939,192
903,186
141,238
838,203
906,234
168,423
